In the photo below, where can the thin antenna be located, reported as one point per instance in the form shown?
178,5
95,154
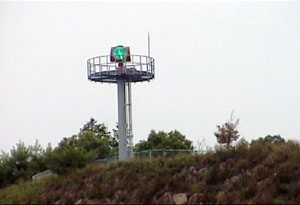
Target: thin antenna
148,44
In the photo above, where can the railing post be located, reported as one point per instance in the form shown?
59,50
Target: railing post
141,63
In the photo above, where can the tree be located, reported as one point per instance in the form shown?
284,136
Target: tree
269,139
22,163
93,136
101,133
40,158
68,157
163,140
6,170
227,133
92,142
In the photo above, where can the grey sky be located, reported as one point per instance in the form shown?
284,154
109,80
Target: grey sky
211,58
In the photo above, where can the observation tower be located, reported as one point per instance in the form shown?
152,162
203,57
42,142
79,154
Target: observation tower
122,68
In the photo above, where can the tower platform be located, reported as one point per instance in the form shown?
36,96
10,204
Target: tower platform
101,69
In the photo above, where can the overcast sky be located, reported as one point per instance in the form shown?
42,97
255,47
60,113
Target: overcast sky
211,59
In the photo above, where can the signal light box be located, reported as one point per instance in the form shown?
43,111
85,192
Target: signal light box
120,54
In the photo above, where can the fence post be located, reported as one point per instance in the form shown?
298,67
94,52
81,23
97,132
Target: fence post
150,154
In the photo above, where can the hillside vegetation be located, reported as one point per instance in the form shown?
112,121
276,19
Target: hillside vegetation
265,171
94,141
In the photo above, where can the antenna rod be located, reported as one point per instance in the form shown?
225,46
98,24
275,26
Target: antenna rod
148,44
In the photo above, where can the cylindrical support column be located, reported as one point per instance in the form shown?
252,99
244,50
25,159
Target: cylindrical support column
129,103
123,155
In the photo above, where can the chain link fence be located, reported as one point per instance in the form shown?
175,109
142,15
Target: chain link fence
154,153
147,154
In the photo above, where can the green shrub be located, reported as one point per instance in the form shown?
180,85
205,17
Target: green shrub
66,158
22,163
163,140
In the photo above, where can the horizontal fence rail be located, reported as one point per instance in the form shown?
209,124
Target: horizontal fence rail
149,154
146,154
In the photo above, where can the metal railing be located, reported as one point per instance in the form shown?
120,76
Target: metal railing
102,66
164,153
154,153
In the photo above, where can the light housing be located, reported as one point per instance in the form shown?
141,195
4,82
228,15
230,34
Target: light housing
120,54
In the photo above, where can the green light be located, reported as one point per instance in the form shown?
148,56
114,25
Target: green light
120,53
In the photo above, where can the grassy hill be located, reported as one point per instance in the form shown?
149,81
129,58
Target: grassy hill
256,173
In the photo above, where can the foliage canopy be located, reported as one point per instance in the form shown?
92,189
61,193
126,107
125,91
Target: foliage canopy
227,133
163,140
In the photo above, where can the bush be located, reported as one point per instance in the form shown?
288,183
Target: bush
228,133
22,163
68,157
163,140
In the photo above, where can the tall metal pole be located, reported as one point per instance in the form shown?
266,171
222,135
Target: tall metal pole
123,155
130,133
